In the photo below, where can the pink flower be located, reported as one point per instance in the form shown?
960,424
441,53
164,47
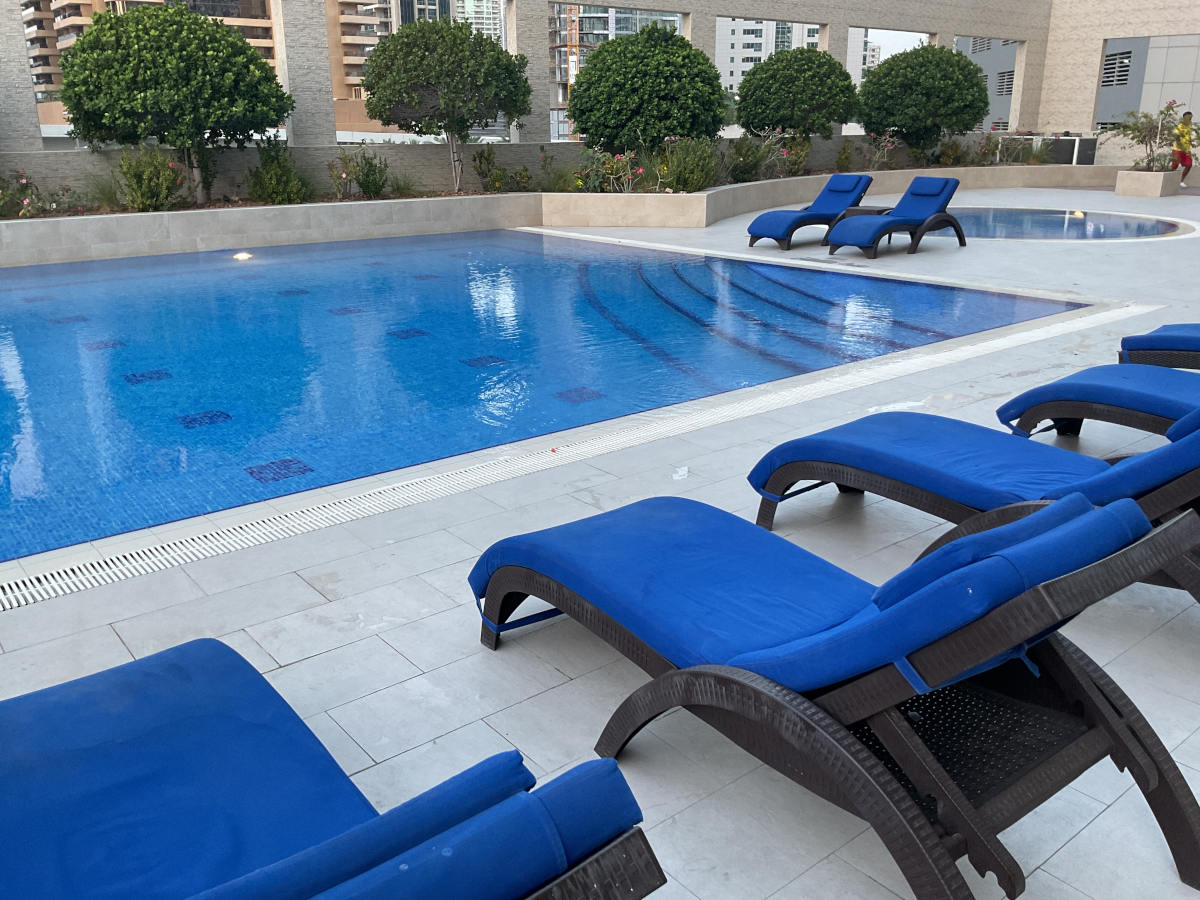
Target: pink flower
22,181
618,156
25,201
343,174
640,171
170,165
785,153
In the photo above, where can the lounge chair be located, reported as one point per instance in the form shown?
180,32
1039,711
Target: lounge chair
979,477
1171,345
935,706
921,210
841,192
1150,398
184,774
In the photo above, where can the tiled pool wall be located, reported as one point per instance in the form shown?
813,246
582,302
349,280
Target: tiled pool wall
35,241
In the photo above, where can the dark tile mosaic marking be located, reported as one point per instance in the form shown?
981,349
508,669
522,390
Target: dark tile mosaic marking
143,377
375,265
251,277
426,277
103,345
480,361
580,394
67,320
210,417
278,470
293,292
459,255
346,310
38,299
405,333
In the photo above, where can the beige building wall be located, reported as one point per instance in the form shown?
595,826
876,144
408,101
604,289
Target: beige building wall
1078,29
1021,20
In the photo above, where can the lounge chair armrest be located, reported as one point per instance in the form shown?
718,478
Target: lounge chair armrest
986,520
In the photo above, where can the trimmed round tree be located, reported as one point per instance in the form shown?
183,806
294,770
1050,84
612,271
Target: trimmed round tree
637,90
802,91
443,77
923,93
166,72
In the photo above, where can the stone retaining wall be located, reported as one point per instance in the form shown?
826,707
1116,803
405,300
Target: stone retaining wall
33,241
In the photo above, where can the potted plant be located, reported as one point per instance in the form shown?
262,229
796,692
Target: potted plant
1153,133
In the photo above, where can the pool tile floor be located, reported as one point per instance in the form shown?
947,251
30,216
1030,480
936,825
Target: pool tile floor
368,628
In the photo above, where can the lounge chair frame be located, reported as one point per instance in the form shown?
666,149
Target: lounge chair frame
857,745
1171,359
1066,417
936,222
624,869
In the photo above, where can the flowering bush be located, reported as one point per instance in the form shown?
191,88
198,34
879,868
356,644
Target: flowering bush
149,181
687,164
341,174
608,173
21,198
881,147
276,178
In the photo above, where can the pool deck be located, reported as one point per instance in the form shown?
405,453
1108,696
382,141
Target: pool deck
369,630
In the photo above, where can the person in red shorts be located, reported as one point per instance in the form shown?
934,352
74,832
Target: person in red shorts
1181,151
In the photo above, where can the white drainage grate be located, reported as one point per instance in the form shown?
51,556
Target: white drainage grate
80,576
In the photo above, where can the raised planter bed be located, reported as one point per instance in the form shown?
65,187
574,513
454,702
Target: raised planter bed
1134,183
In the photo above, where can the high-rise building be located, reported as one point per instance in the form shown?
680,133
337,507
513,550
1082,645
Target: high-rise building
743,43
861,54
577,30
486,16
412,10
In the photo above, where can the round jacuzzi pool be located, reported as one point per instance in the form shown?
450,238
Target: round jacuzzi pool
1056,224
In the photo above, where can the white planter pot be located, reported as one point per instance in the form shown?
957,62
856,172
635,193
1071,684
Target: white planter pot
1133,183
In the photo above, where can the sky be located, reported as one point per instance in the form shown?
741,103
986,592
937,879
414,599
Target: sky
894,41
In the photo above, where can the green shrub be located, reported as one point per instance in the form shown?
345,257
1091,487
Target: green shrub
689,164
951,153
985,152
400,186
745,159
371,174
341,174
102,191
522,179
491,176
149,181
276,179
794,154
845,157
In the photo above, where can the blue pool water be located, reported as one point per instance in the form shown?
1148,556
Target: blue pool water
139,391
1055,224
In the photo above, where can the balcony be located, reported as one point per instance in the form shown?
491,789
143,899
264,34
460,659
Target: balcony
39,33
66,40
46,68
29,13
74,21
360,40
43,52
56,5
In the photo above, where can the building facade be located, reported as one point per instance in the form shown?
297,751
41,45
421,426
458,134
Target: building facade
998,59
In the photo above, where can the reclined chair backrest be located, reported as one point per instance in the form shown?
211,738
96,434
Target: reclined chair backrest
925,197
840,193
1145,472
951,588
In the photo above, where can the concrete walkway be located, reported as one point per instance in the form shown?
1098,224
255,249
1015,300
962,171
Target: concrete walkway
369,630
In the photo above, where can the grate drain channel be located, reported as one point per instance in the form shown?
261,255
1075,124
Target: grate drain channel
752,401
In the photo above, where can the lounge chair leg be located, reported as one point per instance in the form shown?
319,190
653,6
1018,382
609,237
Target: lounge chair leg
802,741
1165,791
1068,427
847,489
766,513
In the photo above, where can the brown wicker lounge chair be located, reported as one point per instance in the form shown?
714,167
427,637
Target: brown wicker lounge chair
939,751
1177,346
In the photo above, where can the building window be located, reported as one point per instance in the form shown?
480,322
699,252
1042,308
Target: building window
980,45
1000,125
1006,43
813,32
752,59
1004,83
1116,69
356,93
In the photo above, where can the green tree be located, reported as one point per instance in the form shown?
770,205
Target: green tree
442,77
802,91
923,93
636,90
166,72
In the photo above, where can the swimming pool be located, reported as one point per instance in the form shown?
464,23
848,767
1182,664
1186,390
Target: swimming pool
1055,224
135,392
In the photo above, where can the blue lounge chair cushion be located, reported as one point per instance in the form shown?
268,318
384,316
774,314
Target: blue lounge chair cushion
925,197
511,849
382,837
839,193
876,637
719,573
974,547
727,588
161,778
1138,474
1157,390
1189,424
1168,337
979,467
